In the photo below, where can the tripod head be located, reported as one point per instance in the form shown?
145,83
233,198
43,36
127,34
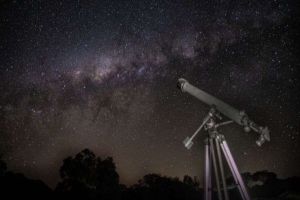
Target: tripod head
237,116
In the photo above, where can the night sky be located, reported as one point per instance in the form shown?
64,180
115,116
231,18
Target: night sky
102,75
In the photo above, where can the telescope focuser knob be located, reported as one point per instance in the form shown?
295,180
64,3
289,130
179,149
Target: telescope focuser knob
247,129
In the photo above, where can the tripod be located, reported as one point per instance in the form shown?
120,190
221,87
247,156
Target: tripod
210,125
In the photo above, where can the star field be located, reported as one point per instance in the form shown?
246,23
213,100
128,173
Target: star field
102,75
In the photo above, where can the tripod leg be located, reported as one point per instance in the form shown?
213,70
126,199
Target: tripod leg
221,169
207,191
230,166
235,170
215,168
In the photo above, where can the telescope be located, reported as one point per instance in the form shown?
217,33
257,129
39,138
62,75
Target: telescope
216,142
237,116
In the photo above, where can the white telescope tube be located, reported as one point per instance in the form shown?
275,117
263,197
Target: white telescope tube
238,116
222,107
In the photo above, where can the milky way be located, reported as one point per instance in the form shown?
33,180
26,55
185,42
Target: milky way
102,75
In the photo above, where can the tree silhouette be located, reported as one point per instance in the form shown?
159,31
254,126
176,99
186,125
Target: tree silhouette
78,173
248,180
17,186
107,179
264,176
155,186
187,180
87,176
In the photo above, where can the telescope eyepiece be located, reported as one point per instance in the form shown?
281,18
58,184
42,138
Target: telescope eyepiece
181,83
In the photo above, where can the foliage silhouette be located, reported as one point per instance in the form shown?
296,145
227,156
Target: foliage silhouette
155,186
187,180
264,176
265,184
17,186
86,176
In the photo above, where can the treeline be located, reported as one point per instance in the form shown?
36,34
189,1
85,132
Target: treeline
88,177
265,184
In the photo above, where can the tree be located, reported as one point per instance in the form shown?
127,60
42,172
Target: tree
85,175
107,179
17,186
155,186
187,180
247,177
264,176
78,173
